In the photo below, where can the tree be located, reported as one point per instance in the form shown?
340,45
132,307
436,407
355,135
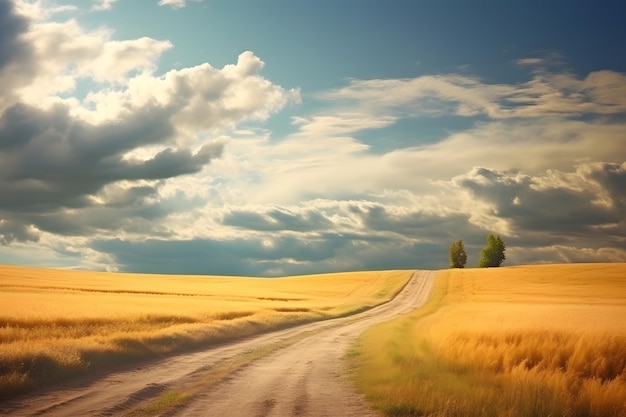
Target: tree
458,257
493,253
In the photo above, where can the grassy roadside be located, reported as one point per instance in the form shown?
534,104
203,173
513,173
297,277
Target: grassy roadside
57,325
521,341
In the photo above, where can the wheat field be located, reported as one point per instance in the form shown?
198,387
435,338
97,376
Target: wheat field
57,324
519,341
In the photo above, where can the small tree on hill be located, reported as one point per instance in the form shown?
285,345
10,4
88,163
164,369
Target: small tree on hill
493,253
458,257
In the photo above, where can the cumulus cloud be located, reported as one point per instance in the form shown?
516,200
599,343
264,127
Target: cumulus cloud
11,27
174,171
15,53
74,167
50,161
557,216
314,236
13,230
48,157
197,98
49,57
542,189
584,208
275,256
325,158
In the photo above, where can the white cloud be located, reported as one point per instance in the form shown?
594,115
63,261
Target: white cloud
566,254
530,61
198,98
121,75
59,54
103,5
586,204
339,124
546,94
126,167
96,165
175,4
40,10
556,224
429,95
324,157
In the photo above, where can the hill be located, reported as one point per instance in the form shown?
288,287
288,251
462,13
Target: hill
56,324
515,341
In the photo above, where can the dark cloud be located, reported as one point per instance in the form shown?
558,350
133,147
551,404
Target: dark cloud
11,27
130,197
11,230
366,235
251,257
405,255
284,256
282,241
63,175
51,162
612,177
326,236
582,209
16,53
49,158
420,224
169,163
136,211
277,219
59,162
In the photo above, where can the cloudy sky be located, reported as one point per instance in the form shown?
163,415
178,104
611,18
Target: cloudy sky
282,137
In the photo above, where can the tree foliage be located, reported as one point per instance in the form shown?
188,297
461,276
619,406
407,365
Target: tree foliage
493,253
458,256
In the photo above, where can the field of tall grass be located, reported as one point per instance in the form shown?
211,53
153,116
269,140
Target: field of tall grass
57,324
517,341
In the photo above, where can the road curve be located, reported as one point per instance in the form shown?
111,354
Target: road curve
306,378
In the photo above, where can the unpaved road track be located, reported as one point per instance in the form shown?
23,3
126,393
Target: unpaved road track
305,378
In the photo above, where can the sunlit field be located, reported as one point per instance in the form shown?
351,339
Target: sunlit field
56,324
517,341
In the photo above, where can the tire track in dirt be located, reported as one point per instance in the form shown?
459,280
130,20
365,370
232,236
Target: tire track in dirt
305,378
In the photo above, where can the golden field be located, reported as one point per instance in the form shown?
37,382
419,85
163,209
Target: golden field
55,324
518,341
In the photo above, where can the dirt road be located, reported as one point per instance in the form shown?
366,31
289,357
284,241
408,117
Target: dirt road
306,377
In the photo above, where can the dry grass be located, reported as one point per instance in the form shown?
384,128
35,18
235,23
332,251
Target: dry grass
57,324
520,341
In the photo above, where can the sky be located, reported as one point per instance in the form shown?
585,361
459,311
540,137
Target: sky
281,137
